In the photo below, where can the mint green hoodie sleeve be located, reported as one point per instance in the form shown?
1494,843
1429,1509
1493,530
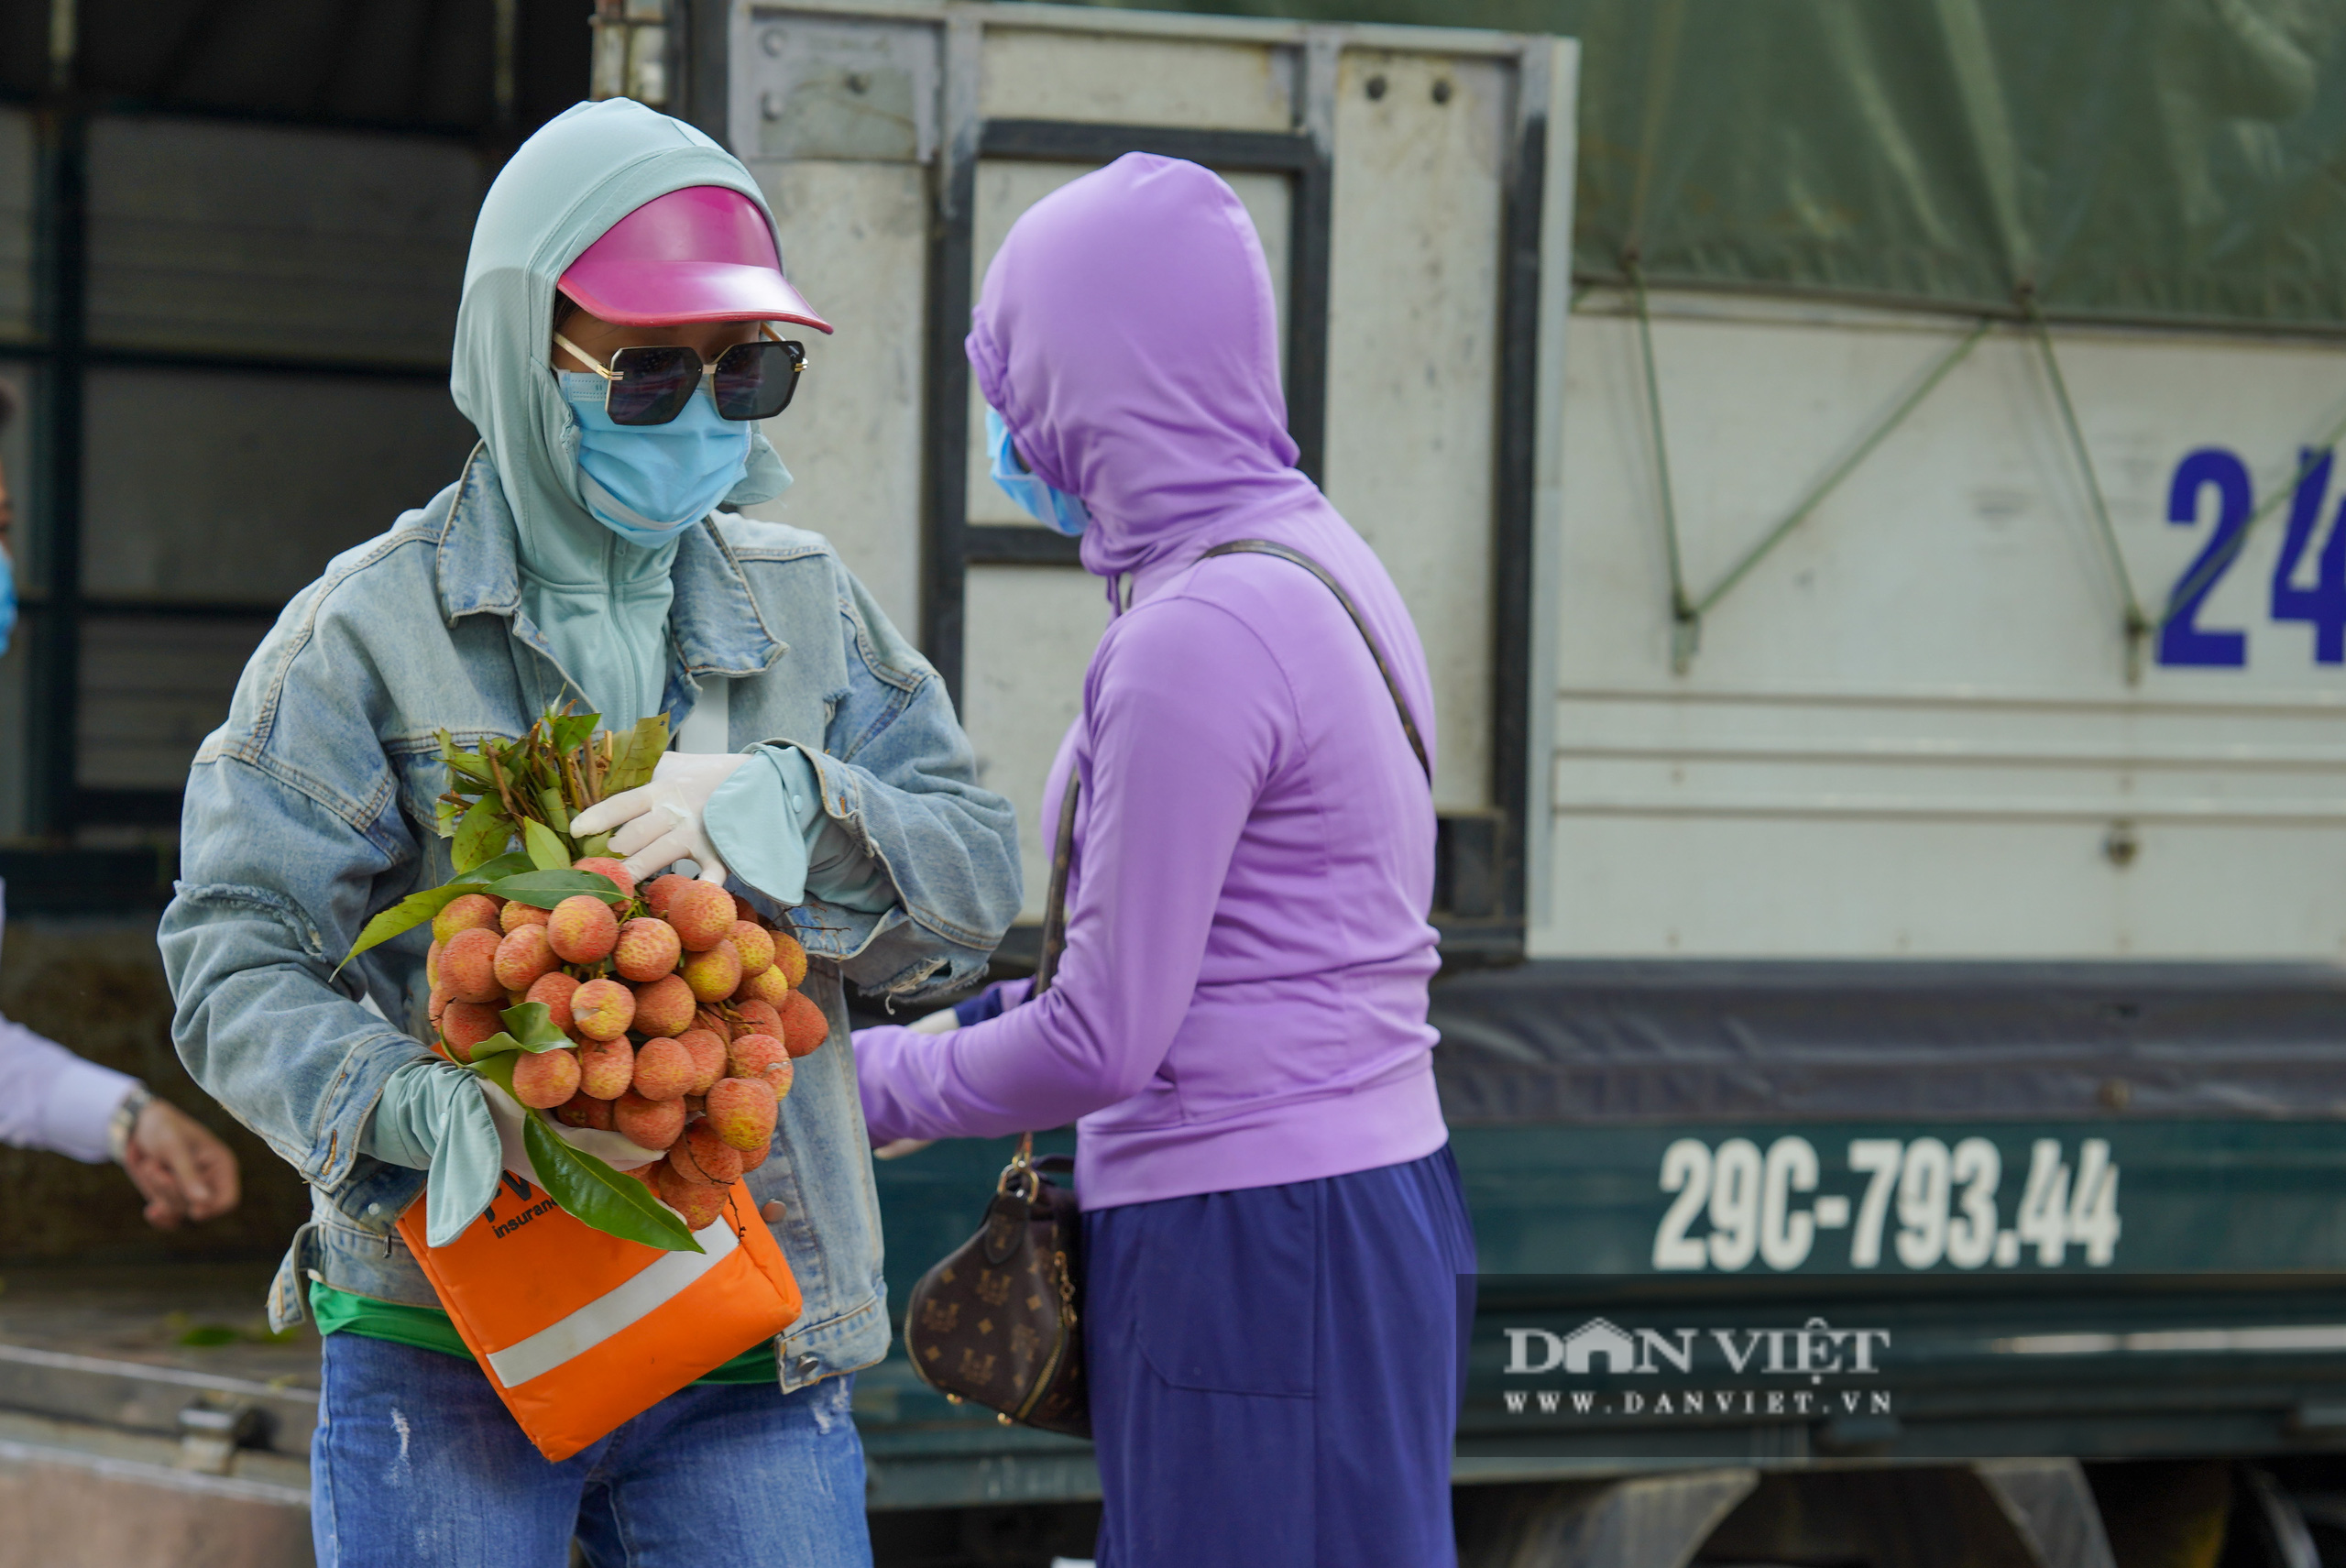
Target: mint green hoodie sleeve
768,822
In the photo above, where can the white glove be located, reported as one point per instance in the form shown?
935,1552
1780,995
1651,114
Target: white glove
664,821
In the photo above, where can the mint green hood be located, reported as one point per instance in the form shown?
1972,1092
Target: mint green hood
601,603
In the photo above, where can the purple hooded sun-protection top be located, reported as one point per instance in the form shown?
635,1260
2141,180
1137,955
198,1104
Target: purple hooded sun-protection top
1243,998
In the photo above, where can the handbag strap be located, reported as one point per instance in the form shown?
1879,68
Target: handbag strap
1055,904
1360,624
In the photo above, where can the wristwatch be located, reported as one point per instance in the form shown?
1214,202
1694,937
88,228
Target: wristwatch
124,1121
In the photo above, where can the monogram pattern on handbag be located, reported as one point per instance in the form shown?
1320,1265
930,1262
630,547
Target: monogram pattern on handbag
997,1322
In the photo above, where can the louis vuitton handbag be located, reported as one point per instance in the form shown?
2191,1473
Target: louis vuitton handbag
998,1323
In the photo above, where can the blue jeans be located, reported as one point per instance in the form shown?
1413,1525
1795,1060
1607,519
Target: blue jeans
415,1461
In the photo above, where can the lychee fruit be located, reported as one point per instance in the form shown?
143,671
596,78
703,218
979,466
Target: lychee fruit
702,913
745,910
742,1111
804,1028
663,1069
754,943
701,1156
603,1008
648,1124
465,1024
662,889
647,950
583,1110
438,1004
432,961
606,1067
790,957
516,914
697,1201
469,965
713,974
466,911
664,1006
770,985
543,1079
709,1059
615,870
761,1057
555,991
760,1019
756,1157
525,957
583,929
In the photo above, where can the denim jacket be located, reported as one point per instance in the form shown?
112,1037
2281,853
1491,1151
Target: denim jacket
309,811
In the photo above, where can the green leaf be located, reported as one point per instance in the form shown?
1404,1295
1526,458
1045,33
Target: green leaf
482,834
444,818
546,852
638,753
464,766
531,1027
513,862
408,913
545,889
497,1068
497,1045
592,1192
588,849
572,730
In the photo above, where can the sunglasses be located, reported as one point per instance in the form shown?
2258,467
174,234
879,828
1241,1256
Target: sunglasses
651,385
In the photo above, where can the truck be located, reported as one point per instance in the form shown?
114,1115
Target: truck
1863,479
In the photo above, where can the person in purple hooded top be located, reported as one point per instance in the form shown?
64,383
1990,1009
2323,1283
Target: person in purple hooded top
1275,1229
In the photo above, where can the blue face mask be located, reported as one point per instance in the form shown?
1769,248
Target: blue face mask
1055,510
7,600
649,482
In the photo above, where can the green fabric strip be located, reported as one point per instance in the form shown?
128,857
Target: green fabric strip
429,1328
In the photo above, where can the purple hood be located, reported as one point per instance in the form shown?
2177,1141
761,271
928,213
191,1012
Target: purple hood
1087,338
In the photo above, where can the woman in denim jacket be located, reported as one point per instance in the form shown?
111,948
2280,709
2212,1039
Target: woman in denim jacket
555,569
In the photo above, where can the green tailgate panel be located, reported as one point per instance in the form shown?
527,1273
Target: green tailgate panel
1757,1199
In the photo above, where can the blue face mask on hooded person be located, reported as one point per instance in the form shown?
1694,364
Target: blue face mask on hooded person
7,600
647,482
1054,509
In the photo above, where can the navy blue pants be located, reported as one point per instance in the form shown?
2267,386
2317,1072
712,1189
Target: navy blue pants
1276,1371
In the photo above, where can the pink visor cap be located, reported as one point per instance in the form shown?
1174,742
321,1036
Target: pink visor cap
701,254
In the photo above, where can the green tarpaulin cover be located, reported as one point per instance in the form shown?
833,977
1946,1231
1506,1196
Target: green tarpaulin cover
2180,160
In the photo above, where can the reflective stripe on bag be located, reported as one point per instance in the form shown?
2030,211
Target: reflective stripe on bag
579,1331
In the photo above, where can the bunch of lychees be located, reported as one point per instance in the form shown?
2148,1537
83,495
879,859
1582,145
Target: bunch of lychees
681,1005
668,1014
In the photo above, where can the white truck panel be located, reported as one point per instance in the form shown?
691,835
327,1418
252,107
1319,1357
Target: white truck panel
1910,730
1412,360
855,240
1111,79
1030,637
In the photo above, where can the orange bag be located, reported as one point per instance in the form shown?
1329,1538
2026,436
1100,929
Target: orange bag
578,1331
